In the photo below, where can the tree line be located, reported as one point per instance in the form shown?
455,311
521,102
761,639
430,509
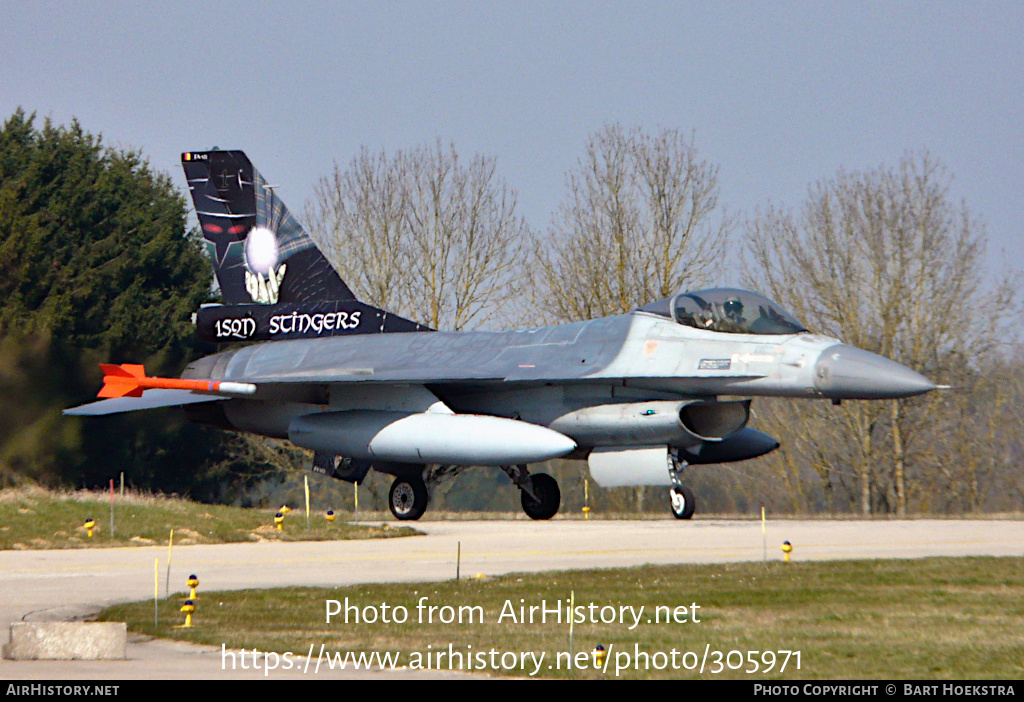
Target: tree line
98,263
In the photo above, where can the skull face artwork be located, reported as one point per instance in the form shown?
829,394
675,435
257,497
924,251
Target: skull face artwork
250,235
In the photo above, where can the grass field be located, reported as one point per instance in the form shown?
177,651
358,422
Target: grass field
36,518
929,618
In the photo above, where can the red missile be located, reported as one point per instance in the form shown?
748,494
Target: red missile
130,380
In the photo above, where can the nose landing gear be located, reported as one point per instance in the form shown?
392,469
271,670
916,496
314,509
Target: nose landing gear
682,502
681,497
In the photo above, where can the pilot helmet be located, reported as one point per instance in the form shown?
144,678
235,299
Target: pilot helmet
733,307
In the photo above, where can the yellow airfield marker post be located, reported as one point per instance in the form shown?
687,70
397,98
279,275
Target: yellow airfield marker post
764,537
156,592
111,508
170,543
307,502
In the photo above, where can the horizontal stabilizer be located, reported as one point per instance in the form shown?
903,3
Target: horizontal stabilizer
153,400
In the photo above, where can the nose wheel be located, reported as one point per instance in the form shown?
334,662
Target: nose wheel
682,502
681,497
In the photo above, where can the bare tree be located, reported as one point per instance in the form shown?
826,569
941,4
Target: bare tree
636,226
885,261
423,234
357,215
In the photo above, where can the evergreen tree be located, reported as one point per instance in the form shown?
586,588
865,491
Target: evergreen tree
96,265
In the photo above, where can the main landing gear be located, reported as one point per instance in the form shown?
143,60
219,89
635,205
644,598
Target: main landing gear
408,497
539,492
681,497
410,493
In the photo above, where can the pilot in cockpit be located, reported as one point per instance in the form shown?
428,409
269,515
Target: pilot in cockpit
732,316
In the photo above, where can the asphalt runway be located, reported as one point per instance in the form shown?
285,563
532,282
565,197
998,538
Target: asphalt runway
66,584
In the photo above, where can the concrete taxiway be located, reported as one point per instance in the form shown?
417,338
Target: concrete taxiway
66,584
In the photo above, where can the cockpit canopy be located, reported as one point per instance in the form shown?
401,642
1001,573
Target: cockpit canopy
727,310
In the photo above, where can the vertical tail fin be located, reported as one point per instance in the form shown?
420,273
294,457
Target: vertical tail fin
260,252
274,281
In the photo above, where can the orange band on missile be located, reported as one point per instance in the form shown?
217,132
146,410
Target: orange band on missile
129,380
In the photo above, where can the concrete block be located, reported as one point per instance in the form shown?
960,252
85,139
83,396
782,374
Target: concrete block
65,641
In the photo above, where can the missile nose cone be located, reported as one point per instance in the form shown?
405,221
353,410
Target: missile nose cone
848,373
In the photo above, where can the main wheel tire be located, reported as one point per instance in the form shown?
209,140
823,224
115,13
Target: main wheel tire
682,502
408,498
549,497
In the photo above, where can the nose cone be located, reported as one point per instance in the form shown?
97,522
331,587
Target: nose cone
848,373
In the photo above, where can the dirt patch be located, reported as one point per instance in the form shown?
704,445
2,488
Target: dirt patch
188,536
267,532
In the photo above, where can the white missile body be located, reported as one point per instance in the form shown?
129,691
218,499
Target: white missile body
425,438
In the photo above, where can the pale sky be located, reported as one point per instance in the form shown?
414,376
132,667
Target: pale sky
778,94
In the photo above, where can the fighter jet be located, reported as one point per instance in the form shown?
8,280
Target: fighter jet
639,396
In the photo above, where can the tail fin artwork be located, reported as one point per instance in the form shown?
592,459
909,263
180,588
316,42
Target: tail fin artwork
275,282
